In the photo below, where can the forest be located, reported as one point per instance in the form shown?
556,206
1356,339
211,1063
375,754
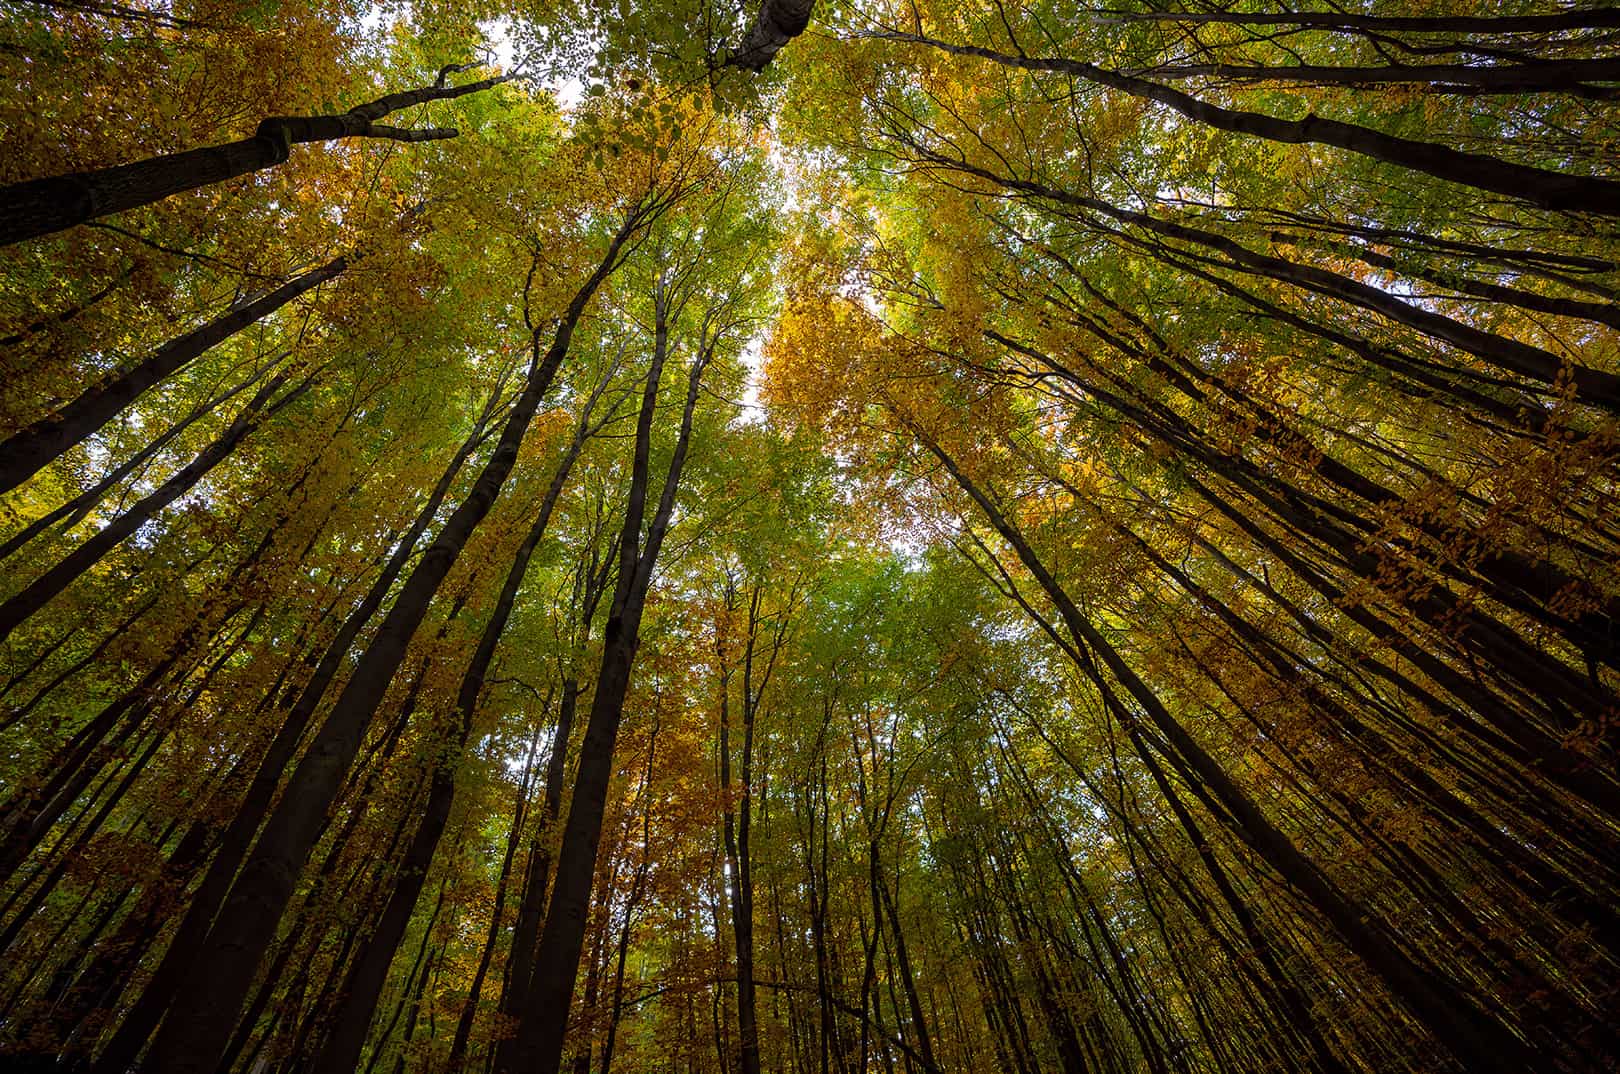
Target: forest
842,537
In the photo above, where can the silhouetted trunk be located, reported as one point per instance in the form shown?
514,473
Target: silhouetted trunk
1537,186
27,451
366,977
1591,18
199,1026
160,990
1472,1035
75,510
41,206
538,1046
457,1056
39,592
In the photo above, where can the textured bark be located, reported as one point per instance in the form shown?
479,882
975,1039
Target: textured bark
778,22
41,206
25,452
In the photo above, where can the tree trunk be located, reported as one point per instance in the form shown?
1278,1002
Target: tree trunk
369,972
29,450
538,1046
42,589
1471,1035
41,206
199,1025
1537,186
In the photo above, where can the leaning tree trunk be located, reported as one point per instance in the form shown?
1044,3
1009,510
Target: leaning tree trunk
41,206
367,975
1473,1036
1536,186
198,1027
143,1016
28,450
41,590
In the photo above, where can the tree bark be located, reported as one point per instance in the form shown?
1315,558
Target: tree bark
41,206
29,450
778,22
198,1027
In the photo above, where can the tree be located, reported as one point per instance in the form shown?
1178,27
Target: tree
1014,537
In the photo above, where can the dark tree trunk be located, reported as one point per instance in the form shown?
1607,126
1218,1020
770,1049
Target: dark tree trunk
198,1028
41,206
778,22
1472,1035
367,975
75,510
1537,186
538,1046
160,990
41,590
26,452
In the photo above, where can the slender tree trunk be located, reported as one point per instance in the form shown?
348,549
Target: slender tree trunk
41,590
1537,186
367,975
160,990
457,1057
1589,18
1471,1035
199,1025
29,450
1569,75
76,509
538,1046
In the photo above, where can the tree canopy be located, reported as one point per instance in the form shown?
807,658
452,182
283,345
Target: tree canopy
820,538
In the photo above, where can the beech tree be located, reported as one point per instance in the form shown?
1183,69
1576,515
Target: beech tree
932,538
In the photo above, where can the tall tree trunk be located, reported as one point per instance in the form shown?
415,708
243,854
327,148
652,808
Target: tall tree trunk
457,1057
29,450
199,1025
366,976
76,509
160,990
1537,186
1473,1036
538,1046
41,590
